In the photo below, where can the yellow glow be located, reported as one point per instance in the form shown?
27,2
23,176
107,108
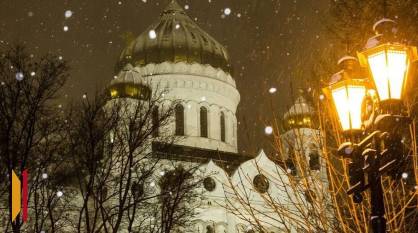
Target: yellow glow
113,93
389,69
131,91
371,92
348,100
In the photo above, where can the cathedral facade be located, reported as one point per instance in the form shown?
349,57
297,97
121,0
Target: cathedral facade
176,55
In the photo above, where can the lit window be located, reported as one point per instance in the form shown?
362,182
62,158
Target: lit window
129,90
113,93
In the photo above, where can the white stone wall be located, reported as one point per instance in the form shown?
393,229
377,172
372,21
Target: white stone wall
196,85
304,140
224,219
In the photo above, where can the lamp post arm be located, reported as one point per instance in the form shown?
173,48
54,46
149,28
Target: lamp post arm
368,139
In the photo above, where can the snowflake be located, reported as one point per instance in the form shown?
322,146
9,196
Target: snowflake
68,14
152,35
268,130
19,76
60,193
227,11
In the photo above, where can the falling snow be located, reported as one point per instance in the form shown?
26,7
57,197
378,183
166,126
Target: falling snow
263,52
19,76
152,35
68,13
268,130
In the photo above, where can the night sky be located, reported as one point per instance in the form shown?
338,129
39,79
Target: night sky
272,43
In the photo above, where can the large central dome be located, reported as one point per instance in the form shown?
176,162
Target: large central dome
175,38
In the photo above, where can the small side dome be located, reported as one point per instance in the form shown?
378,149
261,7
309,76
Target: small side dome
175,38
128,84
300,115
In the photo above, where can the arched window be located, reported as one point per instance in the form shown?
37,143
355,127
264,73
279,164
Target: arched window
209,229
203,122
155,122
222,127
291,168
314,161
179,114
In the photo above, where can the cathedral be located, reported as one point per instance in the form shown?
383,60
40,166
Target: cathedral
175,54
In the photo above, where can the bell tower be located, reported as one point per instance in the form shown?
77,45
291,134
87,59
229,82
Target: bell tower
302,139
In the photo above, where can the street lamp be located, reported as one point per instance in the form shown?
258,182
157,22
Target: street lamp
389,62
348,96
389,66
381,151
347,90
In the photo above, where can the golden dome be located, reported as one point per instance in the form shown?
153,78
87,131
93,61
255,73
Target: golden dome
129,84
300,115
175,38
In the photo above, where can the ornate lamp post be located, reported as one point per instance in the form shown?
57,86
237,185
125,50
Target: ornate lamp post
389,64
347,92
381,151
